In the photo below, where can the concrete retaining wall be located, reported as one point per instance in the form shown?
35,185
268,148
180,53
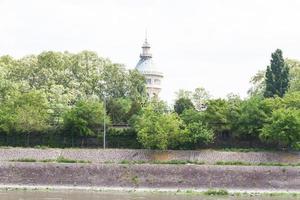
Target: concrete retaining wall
151,176
99,155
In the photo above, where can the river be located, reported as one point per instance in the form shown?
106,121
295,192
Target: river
86,195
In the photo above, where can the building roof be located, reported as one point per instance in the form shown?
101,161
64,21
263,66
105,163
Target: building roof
145,64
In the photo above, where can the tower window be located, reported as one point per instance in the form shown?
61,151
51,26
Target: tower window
157,81
149,81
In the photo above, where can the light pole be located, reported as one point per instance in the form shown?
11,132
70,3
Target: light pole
102,84
104,127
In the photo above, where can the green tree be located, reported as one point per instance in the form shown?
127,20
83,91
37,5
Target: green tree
118,110
85,119
185,94
294,74
137,87
200,97
292,100
251,116
183,104
258,84
30,113
216,115
157,130
199,133
192,115
6,119
283,127
277,76
158,105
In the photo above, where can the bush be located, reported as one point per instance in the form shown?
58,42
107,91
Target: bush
183,104
67,160
216,192
283,127
85,119
200,133
24,160
160,130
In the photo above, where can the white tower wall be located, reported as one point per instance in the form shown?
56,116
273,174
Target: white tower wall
146,67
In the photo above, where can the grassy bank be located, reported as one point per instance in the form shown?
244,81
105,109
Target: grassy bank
157,162
58,160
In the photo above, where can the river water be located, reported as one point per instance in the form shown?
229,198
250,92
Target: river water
86,195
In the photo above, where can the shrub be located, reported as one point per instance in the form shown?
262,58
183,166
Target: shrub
283,127
216,192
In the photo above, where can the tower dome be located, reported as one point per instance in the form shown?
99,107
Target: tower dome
146,67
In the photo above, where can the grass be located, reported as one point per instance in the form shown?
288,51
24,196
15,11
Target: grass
171,162
61,159
232,163
48,160
280,164
24,160
128,162
184,162
246,150
216,192
58,160
135,180
256,164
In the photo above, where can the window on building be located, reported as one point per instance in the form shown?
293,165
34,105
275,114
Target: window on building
148,81
157,81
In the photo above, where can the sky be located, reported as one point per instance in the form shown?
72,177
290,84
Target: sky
215,44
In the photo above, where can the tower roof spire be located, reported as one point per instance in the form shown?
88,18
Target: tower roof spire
146,47
146,36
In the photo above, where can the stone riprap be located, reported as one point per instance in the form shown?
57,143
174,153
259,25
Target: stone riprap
117,155
151,176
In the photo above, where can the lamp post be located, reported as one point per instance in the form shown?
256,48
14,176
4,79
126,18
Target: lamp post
102,84
104,127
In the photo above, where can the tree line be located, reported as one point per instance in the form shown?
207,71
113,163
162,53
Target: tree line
72,95
270,114
63,93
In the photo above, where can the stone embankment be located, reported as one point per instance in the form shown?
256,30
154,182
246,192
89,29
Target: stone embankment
150,176
117,155
105,170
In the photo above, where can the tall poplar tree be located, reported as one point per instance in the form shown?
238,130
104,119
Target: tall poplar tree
277,76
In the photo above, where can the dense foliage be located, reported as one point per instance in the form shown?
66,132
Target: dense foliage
56,92
183,104
157,130
65,98
283,127
277,76
85,119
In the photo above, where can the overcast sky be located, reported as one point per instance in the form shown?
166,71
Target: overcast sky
216,44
